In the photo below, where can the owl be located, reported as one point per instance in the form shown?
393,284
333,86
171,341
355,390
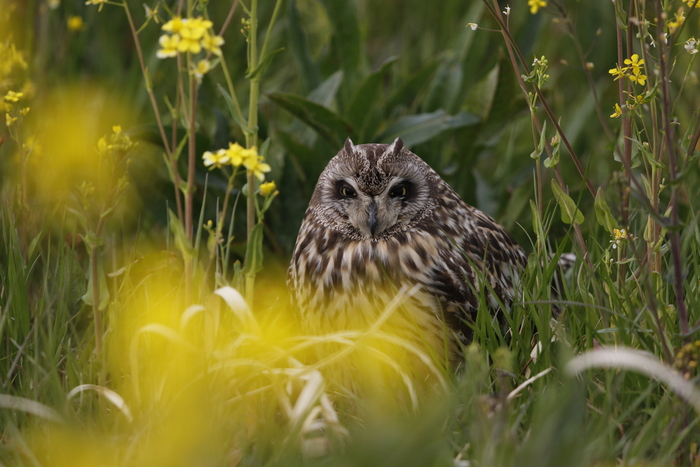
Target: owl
382,222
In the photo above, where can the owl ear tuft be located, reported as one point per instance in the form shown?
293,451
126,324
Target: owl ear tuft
349,146
395,147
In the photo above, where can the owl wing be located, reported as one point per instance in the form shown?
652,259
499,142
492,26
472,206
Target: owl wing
476,252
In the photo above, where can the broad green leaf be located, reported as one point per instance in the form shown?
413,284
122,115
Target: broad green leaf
445,86
416,129
366,94
602,212
406,93
329,125
262,66
325,93
104,291
569,211
181,241
254,253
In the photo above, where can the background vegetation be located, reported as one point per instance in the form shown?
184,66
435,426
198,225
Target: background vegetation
162,371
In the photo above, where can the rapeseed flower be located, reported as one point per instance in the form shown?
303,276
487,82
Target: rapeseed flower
535,5
12,97
212,44
202,68
618,72
75,23
169,46
10,120
618,111
257,167
216,160
266,189
240,155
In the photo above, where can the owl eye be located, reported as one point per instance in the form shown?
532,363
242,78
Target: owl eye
347,192
399,191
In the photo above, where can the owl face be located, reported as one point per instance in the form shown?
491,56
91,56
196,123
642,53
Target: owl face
372,191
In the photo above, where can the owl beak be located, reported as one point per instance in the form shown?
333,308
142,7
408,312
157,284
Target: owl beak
372,221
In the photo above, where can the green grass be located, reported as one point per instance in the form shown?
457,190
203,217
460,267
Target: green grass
177,375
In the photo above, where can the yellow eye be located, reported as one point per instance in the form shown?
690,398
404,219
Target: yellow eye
347,191
398,191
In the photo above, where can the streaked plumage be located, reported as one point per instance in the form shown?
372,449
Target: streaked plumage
379,219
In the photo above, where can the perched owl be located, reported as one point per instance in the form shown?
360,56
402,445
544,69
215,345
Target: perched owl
380,221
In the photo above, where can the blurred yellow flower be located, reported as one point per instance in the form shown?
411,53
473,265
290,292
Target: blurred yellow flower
75,23
240,155
535,5
9,119
169,46
117,129
174,25
618,111
202,68
24,111
212,44
266,189
101,3
216,160
677,21
257,167
11,97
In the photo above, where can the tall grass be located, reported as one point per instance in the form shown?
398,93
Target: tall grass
139,324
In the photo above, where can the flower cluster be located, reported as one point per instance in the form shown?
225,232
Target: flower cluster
677,21
13,111
535,5
191,35
118,143
633,71
691,46
620,236
237,156
686,360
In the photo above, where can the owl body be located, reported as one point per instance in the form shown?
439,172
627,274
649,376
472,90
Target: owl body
382,221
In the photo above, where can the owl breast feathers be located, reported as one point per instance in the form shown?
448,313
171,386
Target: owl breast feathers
381,220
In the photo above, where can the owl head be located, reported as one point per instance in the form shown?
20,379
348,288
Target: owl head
372,191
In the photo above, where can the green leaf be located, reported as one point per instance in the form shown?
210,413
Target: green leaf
262,66
537,153
232,109
416,129
254,253
329,125
366,94
602,212
405,94
326,92
181,241
569,211
299,47
104,291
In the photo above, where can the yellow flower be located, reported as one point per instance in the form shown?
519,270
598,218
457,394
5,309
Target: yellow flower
258,167
117,129
24,111
241,156
677,21
266,189
618,72
202,68
75,23
618,111
101,3
9,119
535,5
690,3
212,44
11,97
175,25
189,43
635,63
638,78
619,236
216,159
169,46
